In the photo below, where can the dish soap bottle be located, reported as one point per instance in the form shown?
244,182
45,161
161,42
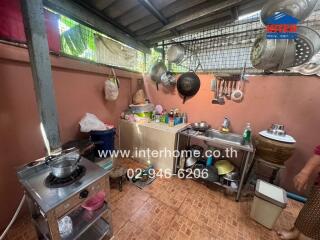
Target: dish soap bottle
246,137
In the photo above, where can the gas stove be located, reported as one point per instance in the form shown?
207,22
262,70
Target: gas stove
33,179
50,199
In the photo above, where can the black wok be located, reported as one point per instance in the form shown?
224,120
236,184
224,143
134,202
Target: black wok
188,85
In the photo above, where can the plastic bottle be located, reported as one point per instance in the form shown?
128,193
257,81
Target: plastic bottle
246,137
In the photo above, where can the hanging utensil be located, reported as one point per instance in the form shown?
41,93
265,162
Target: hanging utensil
299,9
188,85
237,95
228,95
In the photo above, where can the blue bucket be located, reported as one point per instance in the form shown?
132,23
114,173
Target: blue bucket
104,142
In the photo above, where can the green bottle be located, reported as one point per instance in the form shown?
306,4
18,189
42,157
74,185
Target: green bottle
246,137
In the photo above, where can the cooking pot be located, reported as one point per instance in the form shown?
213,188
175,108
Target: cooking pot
200,126
64,165
299,9
157,71
188,85
176,53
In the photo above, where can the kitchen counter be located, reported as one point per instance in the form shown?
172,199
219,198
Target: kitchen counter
143,138
159,126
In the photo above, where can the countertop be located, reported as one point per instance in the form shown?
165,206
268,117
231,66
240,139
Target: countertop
160,126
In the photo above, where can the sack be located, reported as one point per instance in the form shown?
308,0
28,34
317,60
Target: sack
139,97
111,88
91,122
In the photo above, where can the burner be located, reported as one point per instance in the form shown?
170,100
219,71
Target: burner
55,182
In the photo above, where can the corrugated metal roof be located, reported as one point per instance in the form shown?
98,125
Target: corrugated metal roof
149,21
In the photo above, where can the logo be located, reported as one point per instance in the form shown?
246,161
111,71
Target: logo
281,26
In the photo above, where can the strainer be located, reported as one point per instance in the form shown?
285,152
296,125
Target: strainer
307,45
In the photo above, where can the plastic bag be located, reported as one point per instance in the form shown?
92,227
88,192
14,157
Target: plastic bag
139,97
91,122
111,88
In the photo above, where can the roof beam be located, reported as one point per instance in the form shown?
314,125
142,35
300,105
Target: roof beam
156,13
202,13
149,6
152,38
33,15
88,18
106,18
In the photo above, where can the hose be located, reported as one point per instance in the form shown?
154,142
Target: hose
13,218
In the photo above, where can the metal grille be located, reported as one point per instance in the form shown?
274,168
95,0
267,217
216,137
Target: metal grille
226,47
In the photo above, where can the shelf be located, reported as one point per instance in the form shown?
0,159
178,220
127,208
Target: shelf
42,226
97,231
82,220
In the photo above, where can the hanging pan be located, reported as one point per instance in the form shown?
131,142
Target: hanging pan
188,85
157,71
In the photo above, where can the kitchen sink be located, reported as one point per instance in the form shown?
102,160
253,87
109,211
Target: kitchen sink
213,137
229,137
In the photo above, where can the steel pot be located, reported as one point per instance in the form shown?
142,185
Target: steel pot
176,53
157,71
188,85
299,9
64,165
272,54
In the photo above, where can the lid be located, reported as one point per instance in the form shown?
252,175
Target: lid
285,138
271,193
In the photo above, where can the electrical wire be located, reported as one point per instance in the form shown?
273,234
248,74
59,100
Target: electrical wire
13,218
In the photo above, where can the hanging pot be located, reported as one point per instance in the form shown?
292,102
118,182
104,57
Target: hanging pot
188,85
176,53
157,71
299,9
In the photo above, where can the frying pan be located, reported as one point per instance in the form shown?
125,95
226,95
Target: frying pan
188,85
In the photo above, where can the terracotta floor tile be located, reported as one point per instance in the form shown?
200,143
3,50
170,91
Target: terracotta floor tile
154,217
174,209
182,228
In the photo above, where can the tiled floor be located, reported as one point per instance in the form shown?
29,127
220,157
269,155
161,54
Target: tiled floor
173,209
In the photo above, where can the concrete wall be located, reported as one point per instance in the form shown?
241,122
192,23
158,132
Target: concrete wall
293,101
78,89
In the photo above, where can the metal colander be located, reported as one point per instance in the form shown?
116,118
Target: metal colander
307,45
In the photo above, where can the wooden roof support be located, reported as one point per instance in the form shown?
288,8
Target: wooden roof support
88,18
33,15
202,13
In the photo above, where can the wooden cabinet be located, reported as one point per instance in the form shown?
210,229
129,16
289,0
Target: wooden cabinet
154,142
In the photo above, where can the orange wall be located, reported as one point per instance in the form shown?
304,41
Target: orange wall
293,101
78,89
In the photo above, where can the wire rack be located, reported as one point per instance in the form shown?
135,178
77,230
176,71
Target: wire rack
226,47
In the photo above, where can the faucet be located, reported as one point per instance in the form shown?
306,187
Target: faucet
225,127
